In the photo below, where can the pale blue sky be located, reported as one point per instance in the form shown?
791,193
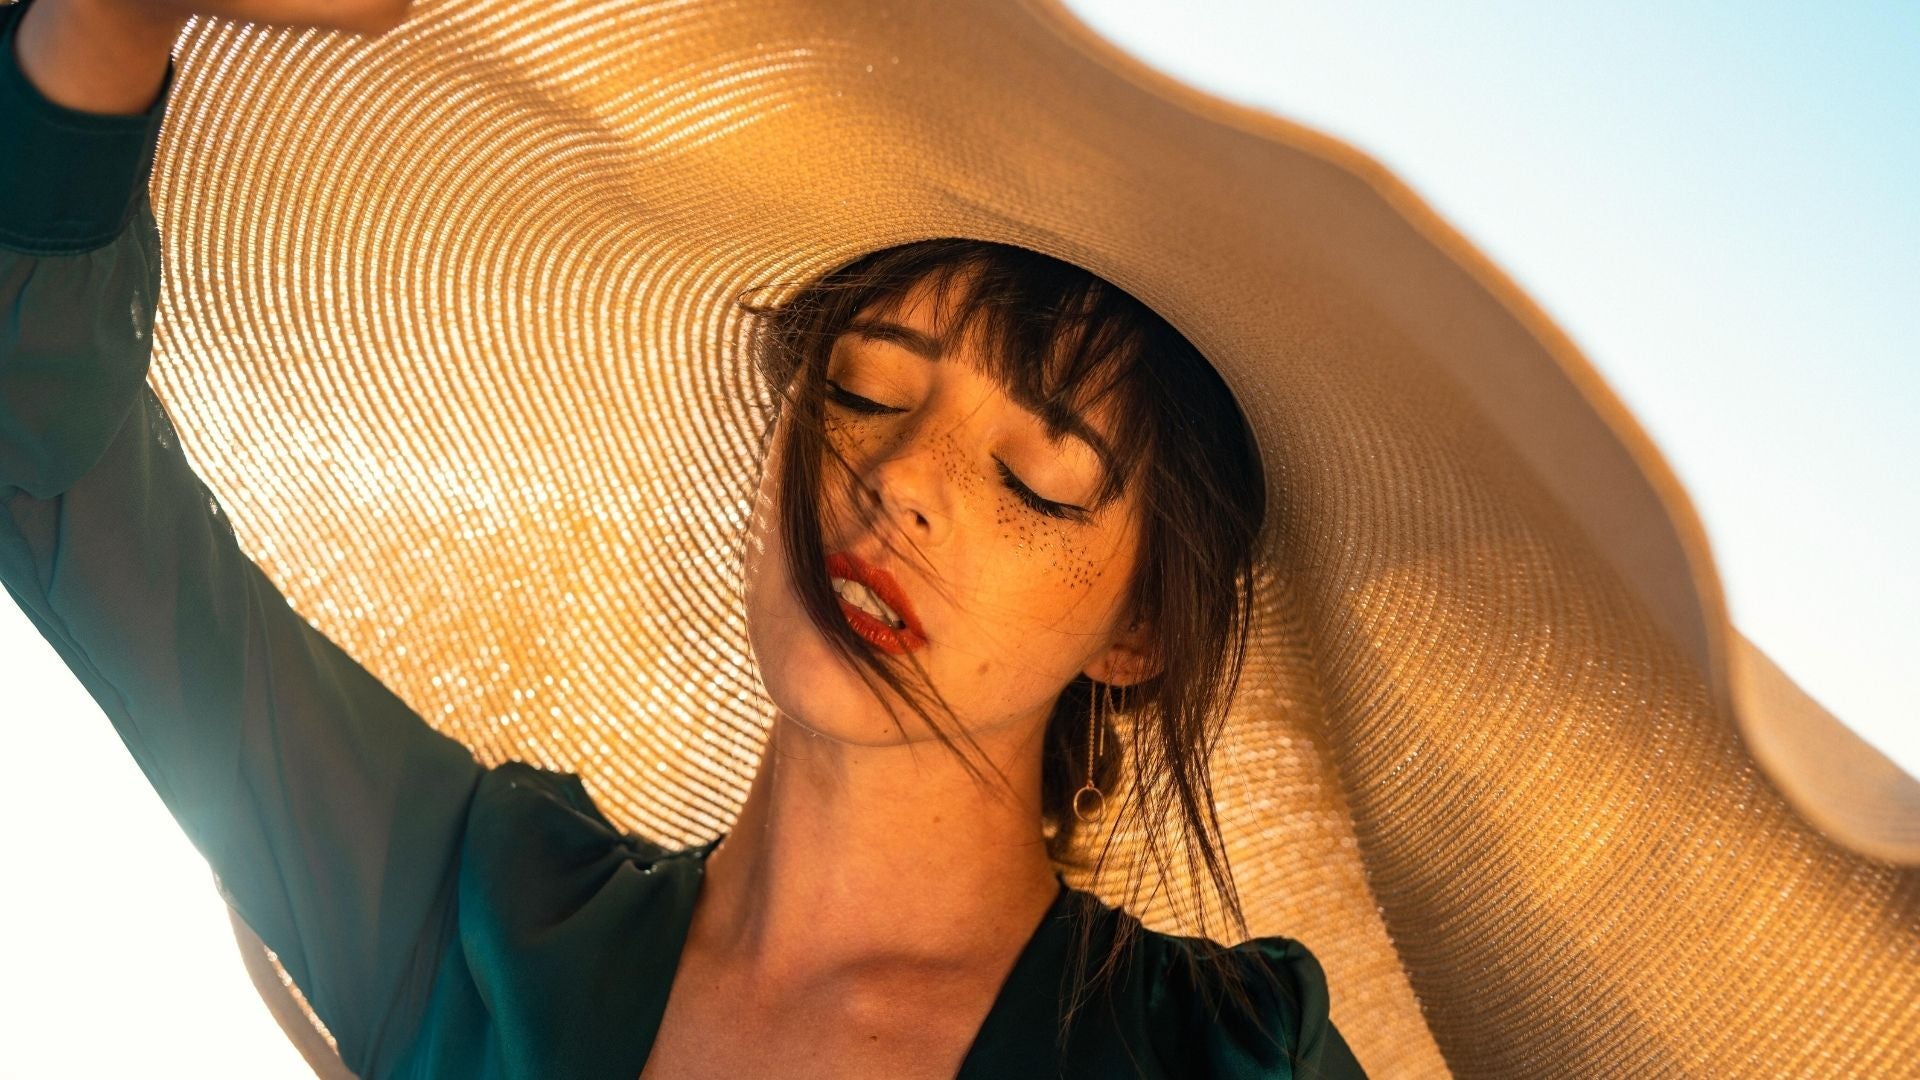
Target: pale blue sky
1713,200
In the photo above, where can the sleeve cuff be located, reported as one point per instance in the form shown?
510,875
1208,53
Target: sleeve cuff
72,178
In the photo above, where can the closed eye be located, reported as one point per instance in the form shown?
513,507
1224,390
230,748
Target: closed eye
853,402
1025,494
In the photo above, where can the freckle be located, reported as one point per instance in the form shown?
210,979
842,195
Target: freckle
982,671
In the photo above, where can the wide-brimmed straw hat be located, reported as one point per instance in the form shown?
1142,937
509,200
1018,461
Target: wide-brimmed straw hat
450,328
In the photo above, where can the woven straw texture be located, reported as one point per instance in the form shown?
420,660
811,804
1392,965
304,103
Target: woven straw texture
448,328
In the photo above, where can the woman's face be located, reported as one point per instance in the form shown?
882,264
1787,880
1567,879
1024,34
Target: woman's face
1016,587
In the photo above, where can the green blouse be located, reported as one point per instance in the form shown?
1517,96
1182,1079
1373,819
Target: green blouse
443,918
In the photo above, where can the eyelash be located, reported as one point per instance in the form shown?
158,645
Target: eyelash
853,402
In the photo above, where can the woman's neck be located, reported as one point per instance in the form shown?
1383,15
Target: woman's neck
849,857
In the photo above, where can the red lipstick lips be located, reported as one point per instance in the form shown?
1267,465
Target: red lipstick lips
874,630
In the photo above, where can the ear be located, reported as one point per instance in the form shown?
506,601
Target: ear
1133,656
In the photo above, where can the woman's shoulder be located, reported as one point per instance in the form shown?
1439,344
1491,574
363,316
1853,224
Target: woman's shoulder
544,868
1278,1025
524,808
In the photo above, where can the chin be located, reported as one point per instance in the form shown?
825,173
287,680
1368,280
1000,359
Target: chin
809,682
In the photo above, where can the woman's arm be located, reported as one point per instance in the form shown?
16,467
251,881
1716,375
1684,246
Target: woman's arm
97,56
331,812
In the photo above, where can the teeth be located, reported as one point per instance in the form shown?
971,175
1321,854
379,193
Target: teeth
862,597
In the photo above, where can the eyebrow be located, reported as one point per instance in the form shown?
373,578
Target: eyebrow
1059,420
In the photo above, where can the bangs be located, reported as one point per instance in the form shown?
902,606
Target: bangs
1062,343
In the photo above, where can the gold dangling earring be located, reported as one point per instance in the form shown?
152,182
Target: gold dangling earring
1095,714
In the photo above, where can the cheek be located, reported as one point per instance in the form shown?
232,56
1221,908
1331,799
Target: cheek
1051,588
854,437
1059,556
806,680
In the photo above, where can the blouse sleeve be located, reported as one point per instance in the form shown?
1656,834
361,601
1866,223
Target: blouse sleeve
1299,1041
330,812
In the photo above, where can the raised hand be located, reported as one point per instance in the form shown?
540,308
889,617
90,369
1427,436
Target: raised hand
110,56
370,17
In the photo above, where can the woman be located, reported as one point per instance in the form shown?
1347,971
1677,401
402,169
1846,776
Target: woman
1030,570
1004,503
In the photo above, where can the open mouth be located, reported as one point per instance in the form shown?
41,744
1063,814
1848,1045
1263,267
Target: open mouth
874,604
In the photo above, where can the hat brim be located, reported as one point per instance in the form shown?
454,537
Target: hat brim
1840,782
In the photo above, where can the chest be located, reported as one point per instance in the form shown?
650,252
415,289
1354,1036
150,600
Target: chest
901,1028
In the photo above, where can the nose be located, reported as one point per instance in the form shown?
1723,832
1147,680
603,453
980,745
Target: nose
906,484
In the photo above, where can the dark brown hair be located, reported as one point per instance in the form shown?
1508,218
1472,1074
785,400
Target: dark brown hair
1063,341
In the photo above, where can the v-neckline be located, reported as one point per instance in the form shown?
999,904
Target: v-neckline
1018,1025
